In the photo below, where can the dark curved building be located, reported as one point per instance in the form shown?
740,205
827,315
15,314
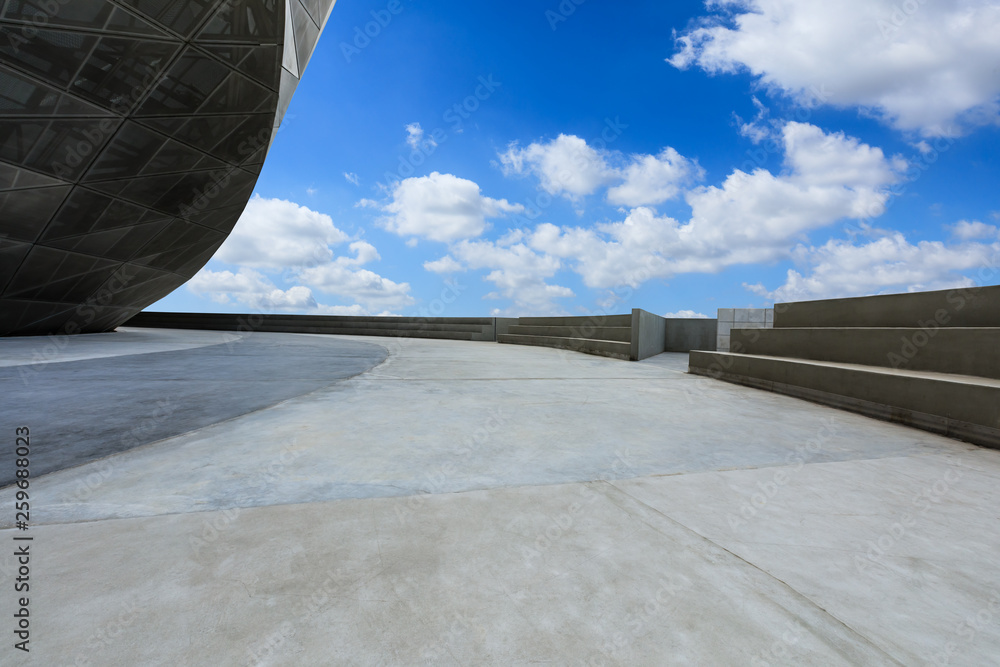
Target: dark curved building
132,133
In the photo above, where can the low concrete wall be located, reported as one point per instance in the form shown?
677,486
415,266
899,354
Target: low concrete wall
453,328
964,409
966,307
686,334
503,324
957,350
649,334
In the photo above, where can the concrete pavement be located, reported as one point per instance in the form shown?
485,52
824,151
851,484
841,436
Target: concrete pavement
471,503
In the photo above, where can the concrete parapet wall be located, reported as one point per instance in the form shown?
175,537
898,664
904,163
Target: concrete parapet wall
649,334
961,350
684,335
966,307
455,328
965,408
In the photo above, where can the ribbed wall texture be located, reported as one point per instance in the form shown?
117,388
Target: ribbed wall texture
132,133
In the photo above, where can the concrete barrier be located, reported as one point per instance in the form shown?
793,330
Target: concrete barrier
452,328
649,334
965,307
685,335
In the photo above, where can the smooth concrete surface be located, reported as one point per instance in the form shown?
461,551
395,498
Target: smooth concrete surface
965,307
467,503
649,334
959,406
686,334
86,397
959,350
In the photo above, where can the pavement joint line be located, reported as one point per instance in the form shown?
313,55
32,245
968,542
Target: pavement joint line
861,637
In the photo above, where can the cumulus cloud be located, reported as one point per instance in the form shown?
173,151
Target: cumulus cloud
250,288
352,178
343,278
566,165
888,264
921,66
446,264
274,233
442,207
751,218
281,235
651,180
570,167
966,230
518,272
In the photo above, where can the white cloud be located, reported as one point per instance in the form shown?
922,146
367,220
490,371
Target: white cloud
518,272
446,264
570,167
352,178
281,235
250,288
750,218
654,179
442,207
686,314
366,203
888,264
343,278
566,166
274,233
921,66
966,230
415,138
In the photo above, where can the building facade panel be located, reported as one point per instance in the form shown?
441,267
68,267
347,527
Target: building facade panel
132,133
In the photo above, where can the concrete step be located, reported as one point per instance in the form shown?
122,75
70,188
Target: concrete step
957,406
606,348
959,350
966,307
583,322
621,334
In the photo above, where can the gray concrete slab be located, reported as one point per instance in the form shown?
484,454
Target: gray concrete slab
99,394
472,503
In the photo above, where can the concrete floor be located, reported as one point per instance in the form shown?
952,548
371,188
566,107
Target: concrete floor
472,503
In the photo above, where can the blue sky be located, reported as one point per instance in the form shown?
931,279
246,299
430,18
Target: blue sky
580,157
